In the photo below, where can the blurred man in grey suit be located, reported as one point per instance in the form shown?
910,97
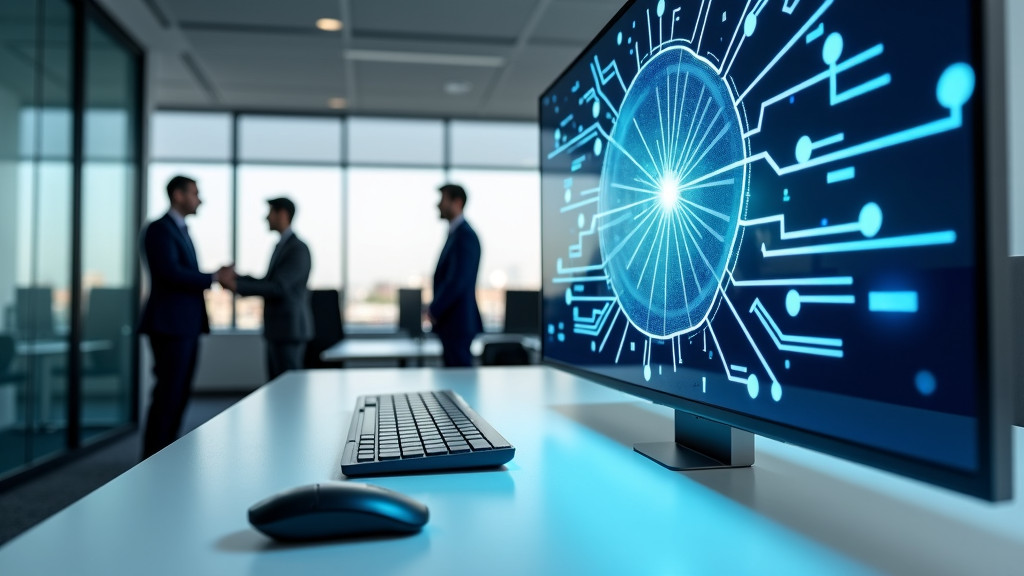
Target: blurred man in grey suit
287,317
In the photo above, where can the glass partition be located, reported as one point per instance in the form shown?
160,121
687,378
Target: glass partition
59,252
109,231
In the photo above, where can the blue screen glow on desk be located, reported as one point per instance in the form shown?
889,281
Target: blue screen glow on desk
770,207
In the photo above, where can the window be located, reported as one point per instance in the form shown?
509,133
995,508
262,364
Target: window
366,193
394,238
494,144
316,192
210,228
281,139
395,141
191,136
504,208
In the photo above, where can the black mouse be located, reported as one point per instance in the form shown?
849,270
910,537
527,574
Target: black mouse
336,510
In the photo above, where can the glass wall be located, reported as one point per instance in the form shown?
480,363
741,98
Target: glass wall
366,194
109,223
68,181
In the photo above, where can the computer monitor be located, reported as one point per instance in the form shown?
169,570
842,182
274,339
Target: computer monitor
410,311
788,219
522,312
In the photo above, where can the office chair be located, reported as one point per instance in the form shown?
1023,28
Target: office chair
504,354
109,319
328,327
34,313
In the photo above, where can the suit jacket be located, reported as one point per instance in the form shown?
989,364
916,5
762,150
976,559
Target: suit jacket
454,308
287,315
176,306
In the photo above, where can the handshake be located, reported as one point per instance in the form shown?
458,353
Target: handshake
227,277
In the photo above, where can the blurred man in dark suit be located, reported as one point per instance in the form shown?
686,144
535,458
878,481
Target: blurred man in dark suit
175,314
287,316
454,312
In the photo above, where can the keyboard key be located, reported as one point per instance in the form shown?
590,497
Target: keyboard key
436,450
458,448
480,444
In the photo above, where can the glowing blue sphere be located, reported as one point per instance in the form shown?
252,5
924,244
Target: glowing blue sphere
672,193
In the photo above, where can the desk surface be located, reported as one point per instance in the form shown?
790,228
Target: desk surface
575,500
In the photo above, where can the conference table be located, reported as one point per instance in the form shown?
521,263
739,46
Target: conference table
575,499
405,349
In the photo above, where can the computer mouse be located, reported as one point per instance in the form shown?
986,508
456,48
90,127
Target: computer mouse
336,510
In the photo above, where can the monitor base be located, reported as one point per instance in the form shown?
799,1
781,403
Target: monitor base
700,445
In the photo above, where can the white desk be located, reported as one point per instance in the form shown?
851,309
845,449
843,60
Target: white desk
575,500
393,348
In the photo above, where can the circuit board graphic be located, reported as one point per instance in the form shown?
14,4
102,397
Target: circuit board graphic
744,198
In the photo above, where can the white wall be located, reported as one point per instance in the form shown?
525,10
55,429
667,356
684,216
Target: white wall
227,363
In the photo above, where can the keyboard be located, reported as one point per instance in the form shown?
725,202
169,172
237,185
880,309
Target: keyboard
420,432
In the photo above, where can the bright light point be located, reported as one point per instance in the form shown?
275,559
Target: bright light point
669,190
804,147
336,103
329,24
832,49
870,219
925,383
955,85
498,279
753,387
458,88
793,302
776,391
750,24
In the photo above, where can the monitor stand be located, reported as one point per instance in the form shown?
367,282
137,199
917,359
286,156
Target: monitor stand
701,444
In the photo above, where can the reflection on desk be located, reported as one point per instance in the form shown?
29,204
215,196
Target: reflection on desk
575,500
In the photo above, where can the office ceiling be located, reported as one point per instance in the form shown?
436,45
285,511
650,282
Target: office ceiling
457,58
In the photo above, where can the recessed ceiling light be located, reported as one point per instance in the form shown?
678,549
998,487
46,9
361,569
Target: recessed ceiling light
329,24
457,88
399,57
337,103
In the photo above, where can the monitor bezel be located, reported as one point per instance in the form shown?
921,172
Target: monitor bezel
992,480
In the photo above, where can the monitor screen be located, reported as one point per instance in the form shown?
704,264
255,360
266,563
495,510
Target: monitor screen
410,311
775,215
